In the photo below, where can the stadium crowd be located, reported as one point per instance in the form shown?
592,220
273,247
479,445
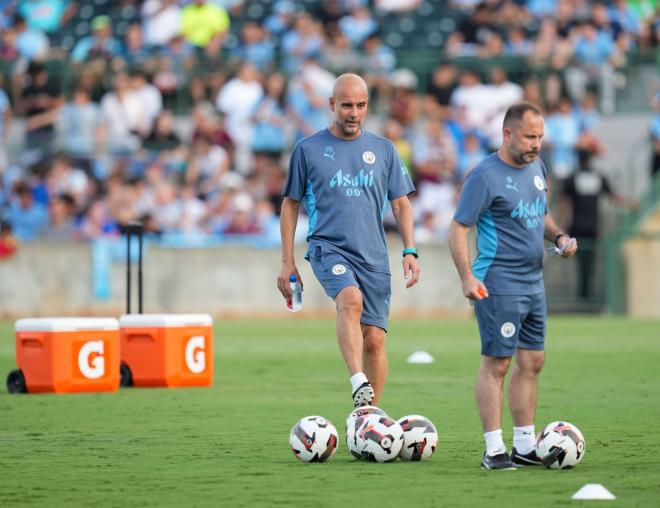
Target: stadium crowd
181,114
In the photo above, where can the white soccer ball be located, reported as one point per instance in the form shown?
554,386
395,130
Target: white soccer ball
560,445
378,438
420,438
313,439
351,426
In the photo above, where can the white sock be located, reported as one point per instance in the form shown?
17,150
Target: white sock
358,380
494,442
524,439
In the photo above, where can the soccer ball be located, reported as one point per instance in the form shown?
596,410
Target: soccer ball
352,425
313,439
560,445
378,438
419,438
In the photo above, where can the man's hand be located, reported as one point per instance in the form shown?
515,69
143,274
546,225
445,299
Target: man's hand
474,289
567,246
411,270
283,279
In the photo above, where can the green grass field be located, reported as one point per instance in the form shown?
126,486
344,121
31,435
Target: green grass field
228,445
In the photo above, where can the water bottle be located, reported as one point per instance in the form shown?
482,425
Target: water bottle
294,302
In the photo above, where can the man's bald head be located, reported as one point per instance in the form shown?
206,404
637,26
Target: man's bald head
347,83
348,104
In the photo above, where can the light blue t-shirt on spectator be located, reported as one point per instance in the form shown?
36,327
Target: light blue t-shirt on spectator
508,205
594,52
346,186
27,224
43,14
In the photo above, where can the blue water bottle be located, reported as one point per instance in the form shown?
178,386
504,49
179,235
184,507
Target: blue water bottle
294,302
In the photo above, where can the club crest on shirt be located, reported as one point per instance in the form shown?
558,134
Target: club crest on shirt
539,183
368,157
329,152
339,269
508,329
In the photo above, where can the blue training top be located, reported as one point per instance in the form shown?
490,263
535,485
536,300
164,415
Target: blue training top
346,185
508,205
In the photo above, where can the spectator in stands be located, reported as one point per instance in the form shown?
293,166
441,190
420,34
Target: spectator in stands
202,22
207,124
393,131
471,153
26,217
65,178
404,102
255,48
561,137
97,222
121,117
281,19
502,94
148,97
193,211
47,15
79,127
471,96
303,41
596,56
339,55
40,103
101,45
433,155
307,97
208,164
161,21
163,136
269,118
61,219
31,43
358,25
134,53
439,89
237,100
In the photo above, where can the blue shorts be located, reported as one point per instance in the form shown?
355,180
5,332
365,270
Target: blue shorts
507,322
335,272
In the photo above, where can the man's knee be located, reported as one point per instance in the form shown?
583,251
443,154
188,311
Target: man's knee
530,362
374,343
496,367
349,300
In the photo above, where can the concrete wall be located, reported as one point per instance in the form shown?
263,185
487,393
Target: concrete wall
54,280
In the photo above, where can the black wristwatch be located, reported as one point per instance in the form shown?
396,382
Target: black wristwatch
412,252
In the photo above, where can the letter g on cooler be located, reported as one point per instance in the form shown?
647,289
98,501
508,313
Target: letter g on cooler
195,354
91,361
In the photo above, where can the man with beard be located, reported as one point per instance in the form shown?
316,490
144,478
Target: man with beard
506,197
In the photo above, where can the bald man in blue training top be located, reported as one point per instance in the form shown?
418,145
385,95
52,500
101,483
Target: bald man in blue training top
346,176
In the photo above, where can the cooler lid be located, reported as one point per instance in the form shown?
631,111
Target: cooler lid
164,320
69,324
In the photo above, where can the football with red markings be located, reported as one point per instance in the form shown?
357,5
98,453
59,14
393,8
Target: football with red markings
560,445
313,439
420,438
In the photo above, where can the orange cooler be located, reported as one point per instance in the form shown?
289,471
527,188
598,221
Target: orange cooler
167,349
68,354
